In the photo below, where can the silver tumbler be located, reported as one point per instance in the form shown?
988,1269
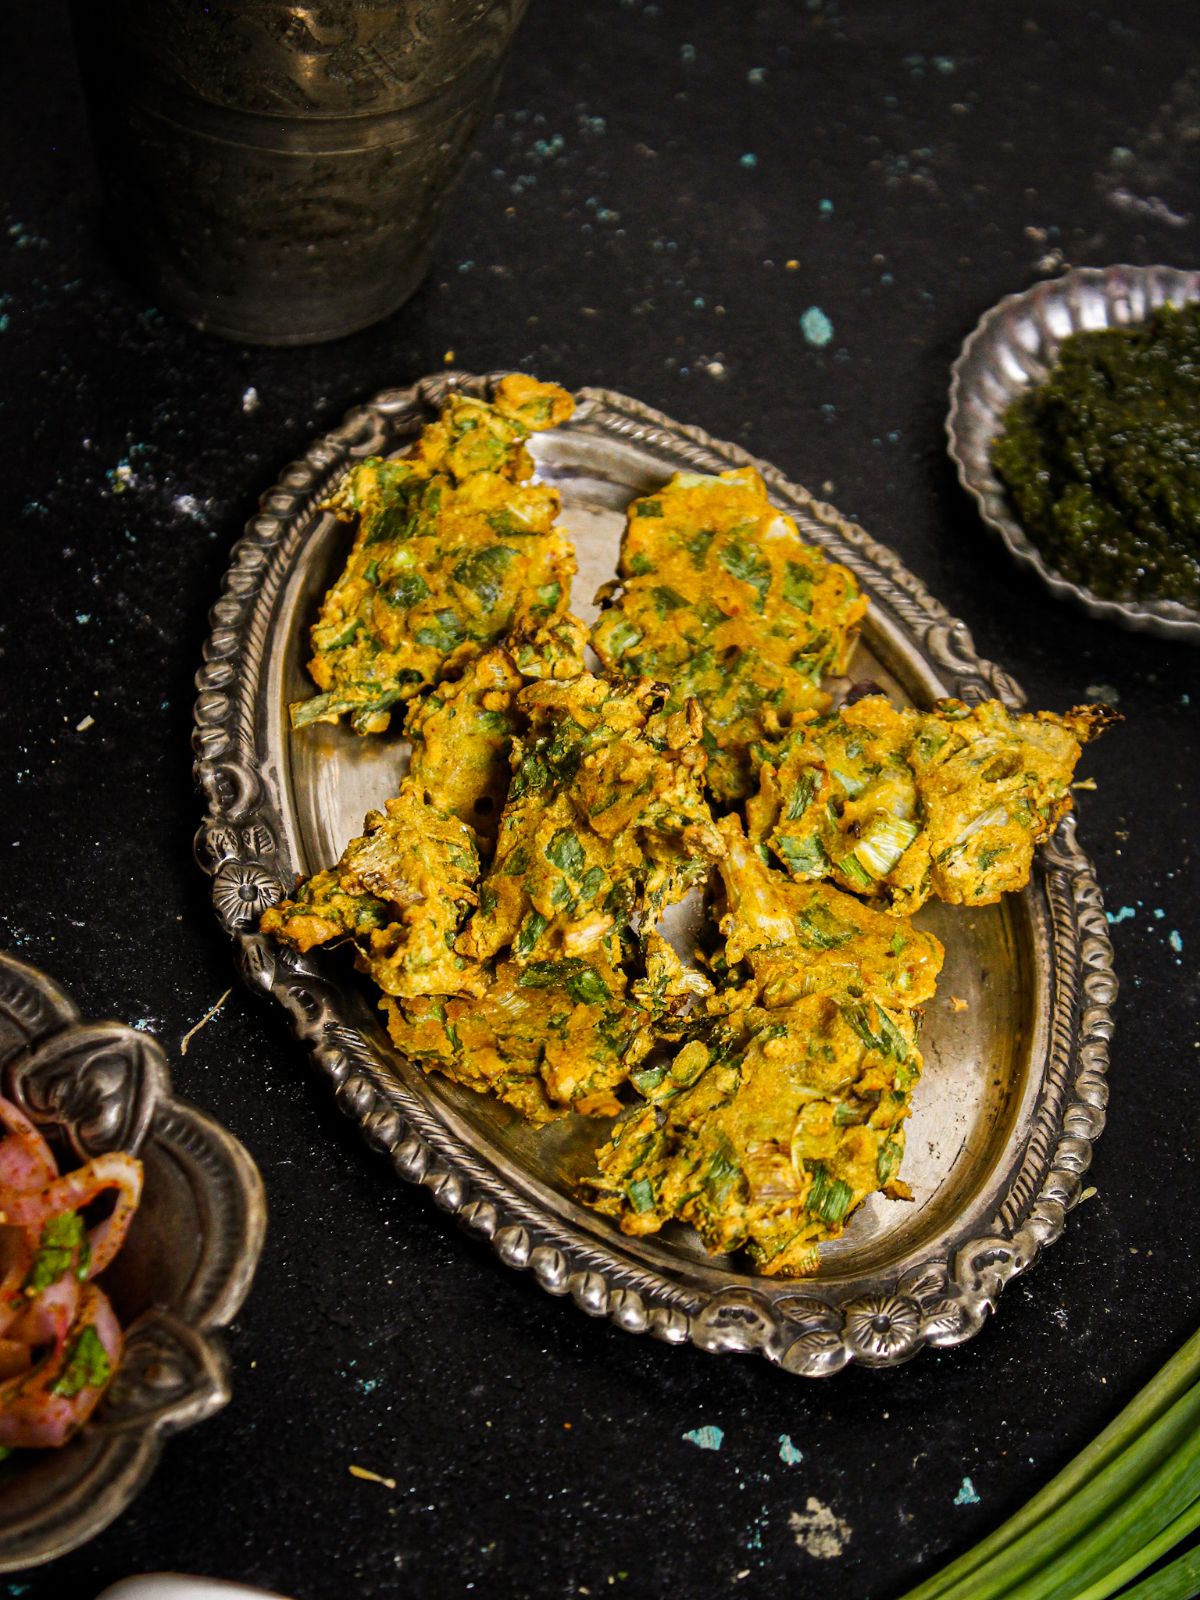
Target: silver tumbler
276,173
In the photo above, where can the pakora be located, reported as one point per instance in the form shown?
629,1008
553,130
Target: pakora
722,600
547,1037
605,821
902,804
454,547
604,825
784,940
399,894
462,730
461,736
786,1111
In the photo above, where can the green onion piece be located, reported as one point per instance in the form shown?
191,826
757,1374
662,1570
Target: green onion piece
853,869
801,796
829,1198
362,714
993,817
804,858
1179,1581
321,708
887,1161
723,1172
528,934
884,842
1100,1477
851,782
1174,1533
649,1078
1117,1534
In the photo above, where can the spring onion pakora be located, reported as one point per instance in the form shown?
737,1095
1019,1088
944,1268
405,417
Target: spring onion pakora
721,599
605,820
546,1038
461,735
462,731
399,894
454,547
604,826
768,1129
903,804
788,940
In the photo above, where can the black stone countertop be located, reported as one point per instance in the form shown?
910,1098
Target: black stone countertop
664,190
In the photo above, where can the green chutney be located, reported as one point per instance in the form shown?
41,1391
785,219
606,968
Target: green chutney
1102,461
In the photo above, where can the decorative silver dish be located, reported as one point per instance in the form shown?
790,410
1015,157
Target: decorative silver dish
182,1273
1012,348
1013,1092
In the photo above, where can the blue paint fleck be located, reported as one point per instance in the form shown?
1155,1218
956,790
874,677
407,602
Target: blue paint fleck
748,160
1159,913
1125,913
826,208
4,322
788,1453
710,1437
816,326
698,302
687,54
1175,940
966,1495
367,1385
83,616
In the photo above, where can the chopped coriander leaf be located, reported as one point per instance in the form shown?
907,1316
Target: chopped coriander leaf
87,1366
63,1238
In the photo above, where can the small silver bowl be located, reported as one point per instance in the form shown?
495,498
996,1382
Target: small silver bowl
183,1271
1013,347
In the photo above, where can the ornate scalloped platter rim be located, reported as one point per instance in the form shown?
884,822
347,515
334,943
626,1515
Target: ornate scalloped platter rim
1013,346
275,808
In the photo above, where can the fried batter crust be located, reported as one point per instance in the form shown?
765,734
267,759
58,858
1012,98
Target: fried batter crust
902,804
722,600
399,894
454,547
786,1110
605,821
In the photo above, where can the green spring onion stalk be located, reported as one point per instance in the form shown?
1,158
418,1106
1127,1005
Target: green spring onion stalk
1130,1520
1179,1581
1159,1429
1174,1533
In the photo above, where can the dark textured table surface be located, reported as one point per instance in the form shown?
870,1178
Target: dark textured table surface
663,192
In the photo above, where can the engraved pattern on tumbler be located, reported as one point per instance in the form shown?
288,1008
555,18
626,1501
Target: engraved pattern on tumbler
277,173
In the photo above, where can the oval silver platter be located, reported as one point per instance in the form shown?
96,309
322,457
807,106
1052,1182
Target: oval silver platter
1013,1092
181,1274
1012,348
